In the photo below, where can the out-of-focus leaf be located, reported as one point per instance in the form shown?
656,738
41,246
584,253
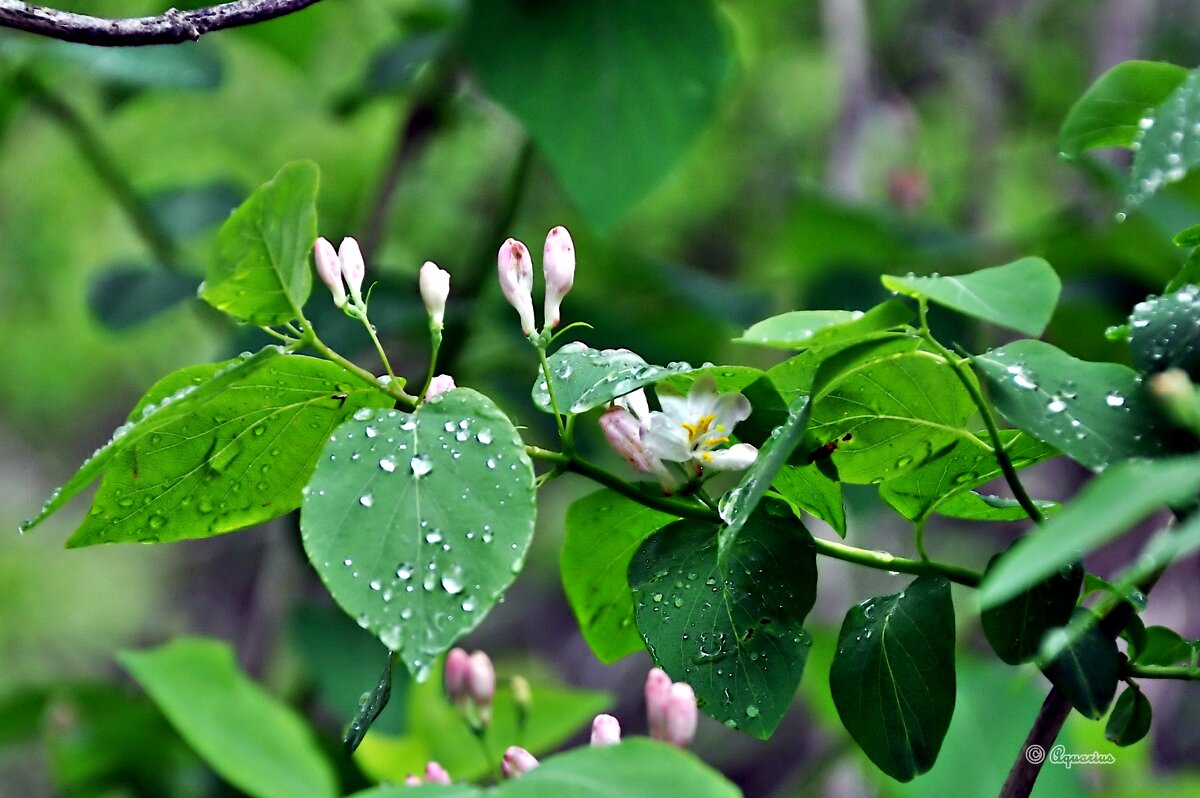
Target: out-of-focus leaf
187,211
398,63
1110,112
1163,646
196,65
123,296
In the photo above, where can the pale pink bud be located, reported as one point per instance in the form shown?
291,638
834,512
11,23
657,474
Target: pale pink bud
558,264
481,683
606,730
517,762
435,289
412,781
439,385
353,268
658,695
436,774
516,281
681,715
458,665
329,269
624,434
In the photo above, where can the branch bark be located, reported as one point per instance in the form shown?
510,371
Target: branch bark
172,27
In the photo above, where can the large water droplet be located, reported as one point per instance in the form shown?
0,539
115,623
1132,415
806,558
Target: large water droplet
420,465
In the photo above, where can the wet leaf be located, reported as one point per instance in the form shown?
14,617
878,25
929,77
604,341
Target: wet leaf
1015,628
1165,332
1109,113
1086,669
805,329
807,489
1130,719
584,378
1170,145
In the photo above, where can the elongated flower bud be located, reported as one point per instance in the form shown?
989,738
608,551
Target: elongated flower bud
681,715
606,730
436,774
481,684
329,269
517,762
516,281
353,268
624,434
435,288
458,665
439,385
658,695
558,265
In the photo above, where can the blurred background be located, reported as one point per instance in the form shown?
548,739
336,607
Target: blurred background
715,163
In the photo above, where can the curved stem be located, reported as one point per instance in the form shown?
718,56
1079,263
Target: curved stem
378,346
1183,672
433,356
558,419
391,389
884,561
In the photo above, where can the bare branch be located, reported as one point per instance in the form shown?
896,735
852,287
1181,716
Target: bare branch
172,27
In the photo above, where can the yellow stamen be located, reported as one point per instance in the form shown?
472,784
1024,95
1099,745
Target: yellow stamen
699,428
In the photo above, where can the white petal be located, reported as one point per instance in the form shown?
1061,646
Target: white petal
676,407
665,438
635,403
730,409
702,398
735,458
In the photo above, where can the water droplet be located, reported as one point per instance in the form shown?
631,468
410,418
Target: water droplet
1056,405
1114,399
452,580
484,436
366,500
420,465
388,464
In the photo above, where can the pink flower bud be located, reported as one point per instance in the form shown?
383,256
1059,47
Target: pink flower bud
606,730
481,683
624,434
558,265
439,385
353,268
658,695
458,665
435,288
516,281
436,774
329,269
681,715
517,762
412,781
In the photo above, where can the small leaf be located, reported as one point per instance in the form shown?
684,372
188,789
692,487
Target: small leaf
1021,295
806,488
602,532
734,633
892,678
259,745
1165,332
1188,274
1095,413
1130,719
124,296
584,378
1109,505
1189,237
1087,668
806,329
1163,646
1015,628
1110,112
261,273
1170,146
369,710
418,522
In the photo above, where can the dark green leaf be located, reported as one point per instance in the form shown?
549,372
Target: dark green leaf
235,460
396,65
368,710
806,329
188,211
1095,413
1163,646
256,743
734,633
418,522
1188,238
893,676
1189,273
191,66
603,530
1016,627
261,272
1170,146
1020,295
1165,332
807,489
1110,112
613,91
584,378
124,296
1086,670
1108,506
1130,718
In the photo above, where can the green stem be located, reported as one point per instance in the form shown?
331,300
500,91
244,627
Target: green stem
433,356
558,419
884,561
963,372
378,346
392,389
287,339
1184,672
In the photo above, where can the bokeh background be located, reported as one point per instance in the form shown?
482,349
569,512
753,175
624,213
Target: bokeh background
765,156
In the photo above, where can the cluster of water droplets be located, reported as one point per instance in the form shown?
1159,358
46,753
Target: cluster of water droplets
1167,144
596,376
1165,331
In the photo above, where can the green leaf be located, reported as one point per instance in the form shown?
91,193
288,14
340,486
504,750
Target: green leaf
1189,237
1015,628
1170,146
458,790
124,296
195,66
1109,505
806,488
635,767
1189,273
731,630
235,460
418,522
613,91
1086,671
1130,718
369,709
889,414
892,678
968,464
798,376
261,273
584,378
806,329
1165,333
1163,646
1020,295
1095,413
170,399
183,212
970,505
254,742
1110,112
603,530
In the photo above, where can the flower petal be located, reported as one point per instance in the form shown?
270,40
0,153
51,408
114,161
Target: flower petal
735,458
666,438
730,409
635,403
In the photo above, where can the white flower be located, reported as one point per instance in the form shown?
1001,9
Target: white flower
353,268
696,428
435,289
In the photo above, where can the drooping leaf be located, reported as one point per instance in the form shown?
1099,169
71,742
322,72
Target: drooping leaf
1095,413
584,378
602,532
1165,332
806,329
613,91
125,296
417,522
261,273
1110,112
1020,295
1015,628
251,739
235,460
1087,668
1170,145
1109,505
1163,646
1130,719
807,489
734,633
892,678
